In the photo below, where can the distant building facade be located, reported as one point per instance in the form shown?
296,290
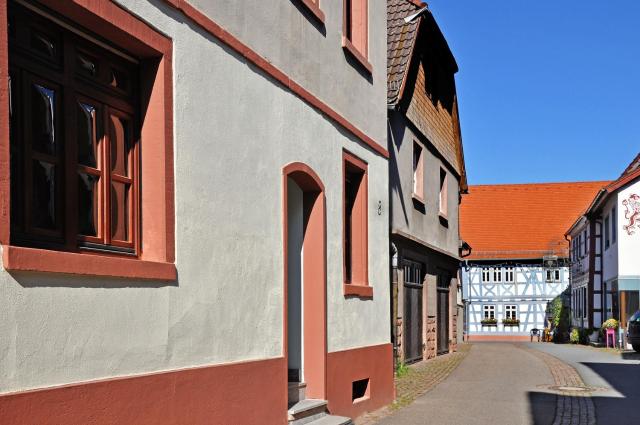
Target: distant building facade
426,179
605,247
519,260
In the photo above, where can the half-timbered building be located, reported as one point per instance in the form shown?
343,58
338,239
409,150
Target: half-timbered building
605,247
519,260
426,179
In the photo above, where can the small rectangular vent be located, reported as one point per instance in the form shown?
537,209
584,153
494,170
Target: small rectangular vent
360,390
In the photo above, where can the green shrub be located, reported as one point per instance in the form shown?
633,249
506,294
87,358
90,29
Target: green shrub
560,317
574,337
401,369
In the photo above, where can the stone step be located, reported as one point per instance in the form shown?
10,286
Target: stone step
331,420
306,411
296,391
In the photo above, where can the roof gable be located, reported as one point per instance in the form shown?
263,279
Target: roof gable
401,38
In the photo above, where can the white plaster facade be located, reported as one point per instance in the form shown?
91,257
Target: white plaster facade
234,131
529,291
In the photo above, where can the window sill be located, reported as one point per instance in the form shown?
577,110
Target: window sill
41,260
349,47
362,291
360,400
314,9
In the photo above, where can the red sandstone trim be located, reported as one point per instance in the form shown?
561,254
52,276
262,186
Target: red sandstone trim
250,55
349,47
344,367
360,284
314,8
314,278
361,291
42,260
203,395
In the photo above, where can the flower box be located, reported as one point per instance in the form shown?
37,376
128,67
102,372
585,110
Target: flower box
489,322
510,322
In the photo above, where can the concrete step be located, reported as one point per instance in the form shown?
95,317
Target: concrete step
331,420
297,391
307,411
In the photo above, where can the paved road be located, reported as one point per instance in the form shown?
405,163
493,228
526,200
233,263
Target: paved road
497,384
505,383
618,374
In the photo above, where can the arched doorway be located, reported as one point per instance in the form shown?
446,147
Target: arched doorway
304,240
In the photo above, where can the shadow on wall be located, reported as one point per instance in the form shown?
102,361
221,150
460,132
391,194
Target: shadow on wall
396,129
40,280
622,410
311,18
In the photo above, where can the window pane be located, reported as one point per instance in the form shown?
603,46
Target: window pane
42,118
43,44
352,185
88,206
87,65
43,207
87,135
119,79
119,211
120,145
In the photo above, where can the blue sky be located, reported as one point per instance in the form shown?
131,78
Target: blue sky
548,90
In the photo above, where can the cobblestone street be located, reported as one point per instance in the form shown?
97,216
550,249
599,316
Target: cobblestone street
519,383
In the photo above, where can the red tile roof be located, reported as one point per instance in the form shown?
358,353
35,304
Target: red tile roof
522,221
401,38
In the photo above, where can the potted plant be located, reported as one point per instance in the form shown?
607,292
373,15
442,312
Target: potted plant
610,324
511,322
491,321
574,337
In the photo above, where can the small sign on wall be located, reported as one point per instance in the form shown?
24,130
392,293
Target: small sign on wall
632,213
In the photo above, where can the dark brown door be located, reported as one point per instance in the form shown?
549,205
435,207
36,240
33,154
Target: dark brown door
412,322
443,313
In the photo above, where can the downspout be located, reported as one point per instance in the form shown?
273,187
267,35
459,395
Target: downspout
394,302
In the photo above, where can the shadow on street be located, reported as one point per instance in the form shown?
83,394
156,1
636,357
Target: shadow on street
619,410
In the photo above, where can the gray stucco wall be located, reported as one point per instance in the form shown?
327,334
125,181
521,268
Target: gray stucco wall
422,223
312,54
234,131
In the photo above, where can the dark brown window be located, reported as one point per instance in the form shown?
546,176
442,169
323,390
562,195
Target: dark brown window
74,138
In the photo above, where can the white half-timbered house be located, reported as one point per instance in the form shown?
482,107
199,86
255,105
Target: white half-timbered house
519,260
513,295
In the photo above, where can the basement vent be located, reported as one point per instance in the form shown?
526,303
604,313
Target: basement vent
360,390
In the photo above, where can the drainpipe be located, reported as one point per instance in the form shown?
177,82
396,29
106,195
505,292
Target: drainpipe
394,301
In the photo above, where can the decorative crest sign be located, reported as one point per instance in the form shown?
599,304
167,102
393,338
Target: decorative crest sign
632,213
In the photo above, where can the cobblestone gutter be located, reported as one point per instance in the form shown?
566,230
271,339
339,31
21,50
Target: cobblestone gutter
574,405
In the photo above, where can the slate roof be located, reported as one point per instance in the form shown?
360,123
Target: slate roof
522,221
401,38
